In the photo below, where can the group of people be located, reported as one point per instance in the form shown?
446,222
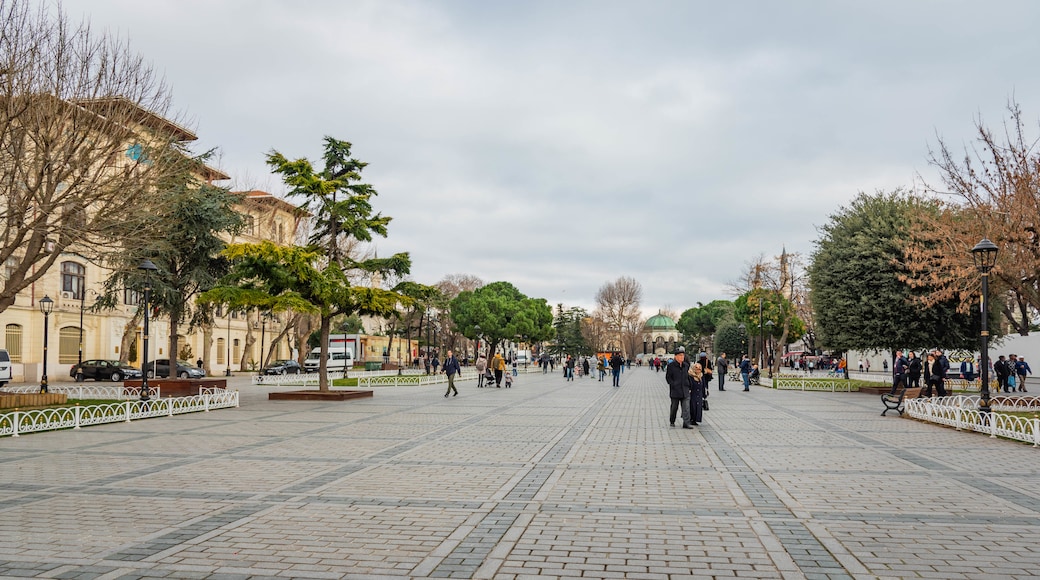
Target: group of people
908,370
1011,373
689,385
497,366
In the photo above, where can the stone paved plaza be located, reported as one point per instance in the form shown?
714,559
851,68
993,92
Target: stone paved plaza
548,479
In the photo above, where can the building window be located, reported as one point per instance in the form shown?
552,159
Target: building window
131,297
72,279
236,350
221,351
13,341
68,345
249,225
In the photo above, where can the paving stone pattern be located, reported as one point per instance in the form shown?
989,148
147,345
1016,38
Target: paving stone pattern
547,479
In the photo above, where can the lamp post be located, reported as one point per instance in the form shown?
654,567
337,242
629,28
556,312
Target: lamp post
148,268
761,335
46,307
769,359
743,338
985,256
227,371
476,343
263,329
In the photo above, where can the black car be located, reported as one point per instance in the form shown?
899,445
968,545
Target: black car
161,368
283,367
103,370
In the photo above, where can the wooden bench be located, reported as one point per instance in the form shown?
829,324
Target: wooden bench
895,402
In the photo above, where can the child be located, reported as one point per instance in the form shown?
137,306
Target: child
509,380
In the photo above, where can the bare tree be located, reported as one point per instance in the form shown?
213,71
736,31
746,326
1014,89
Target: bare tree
83,141
596,332
450,287
992,190
618,301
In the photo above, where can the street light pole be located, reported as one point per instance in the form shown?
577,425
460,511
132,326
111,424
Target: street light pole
985,256
82,303
263,329
761,334
148,268
769,357
227,371
46,307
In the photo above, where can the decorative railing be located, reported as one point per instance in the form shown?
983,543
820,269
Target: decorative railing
962,412
20,422
423,379
110,392
806,384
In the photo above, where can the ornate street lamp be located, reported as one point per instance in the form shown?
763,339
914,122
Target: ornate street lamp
985,256
46,307
148,268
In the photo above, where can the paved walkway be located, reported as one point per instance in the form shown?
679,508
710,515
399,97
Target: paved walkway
550,478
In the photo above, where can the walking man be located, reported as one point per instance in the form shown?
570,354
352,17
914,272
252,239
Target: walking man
898,372
451,368
722,367
1022,369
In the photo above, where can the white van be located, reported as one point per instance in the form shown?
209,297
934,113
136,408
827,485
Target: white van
338,361
5,367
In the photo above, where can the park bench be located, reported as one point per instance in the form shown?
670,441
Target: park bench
895,402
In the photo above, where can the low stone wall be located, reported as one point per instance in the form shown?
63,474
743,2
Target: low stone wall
21,400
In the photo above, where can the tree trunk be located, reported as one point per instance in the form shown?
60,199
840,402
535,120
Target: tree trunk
323,364
129,336
248,346
207,345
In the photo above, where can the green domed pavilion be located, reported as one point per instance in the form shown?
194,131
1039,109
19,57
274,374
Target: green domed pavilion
659,335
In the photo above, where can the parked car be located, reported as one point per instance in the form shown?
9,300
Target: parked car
5,367
283,367
103,370
185,370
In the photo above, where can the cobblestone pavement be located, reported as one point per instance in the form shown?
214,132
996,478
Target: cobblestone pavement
547,479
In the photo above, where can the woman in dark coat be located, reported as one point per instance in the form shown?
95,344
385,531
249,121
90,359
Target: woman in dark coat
696,394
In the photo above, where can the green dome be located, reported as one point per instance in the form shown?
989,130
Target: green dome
659,322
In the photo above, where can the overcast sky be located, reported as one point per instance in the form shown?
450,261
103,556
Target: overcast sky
561,144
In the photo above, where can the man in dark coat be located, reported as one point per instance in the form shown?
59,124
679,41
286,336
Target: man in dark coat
615,367
677,375
451,368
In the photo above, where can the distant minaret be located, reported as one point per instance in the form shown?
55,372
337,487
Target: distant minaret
786,279
376,280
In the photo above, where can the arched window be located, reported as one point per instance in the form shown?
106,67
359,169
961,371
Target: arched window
236,352
73,277
221,351
68,345
13,342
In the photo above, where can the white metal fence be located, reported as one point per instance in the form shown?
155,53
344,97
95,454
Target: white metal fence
20,422
962,412
114,392
805,384
379,378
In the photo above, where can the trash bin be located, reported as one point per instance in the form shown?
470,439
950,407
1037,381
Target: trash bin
373,366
